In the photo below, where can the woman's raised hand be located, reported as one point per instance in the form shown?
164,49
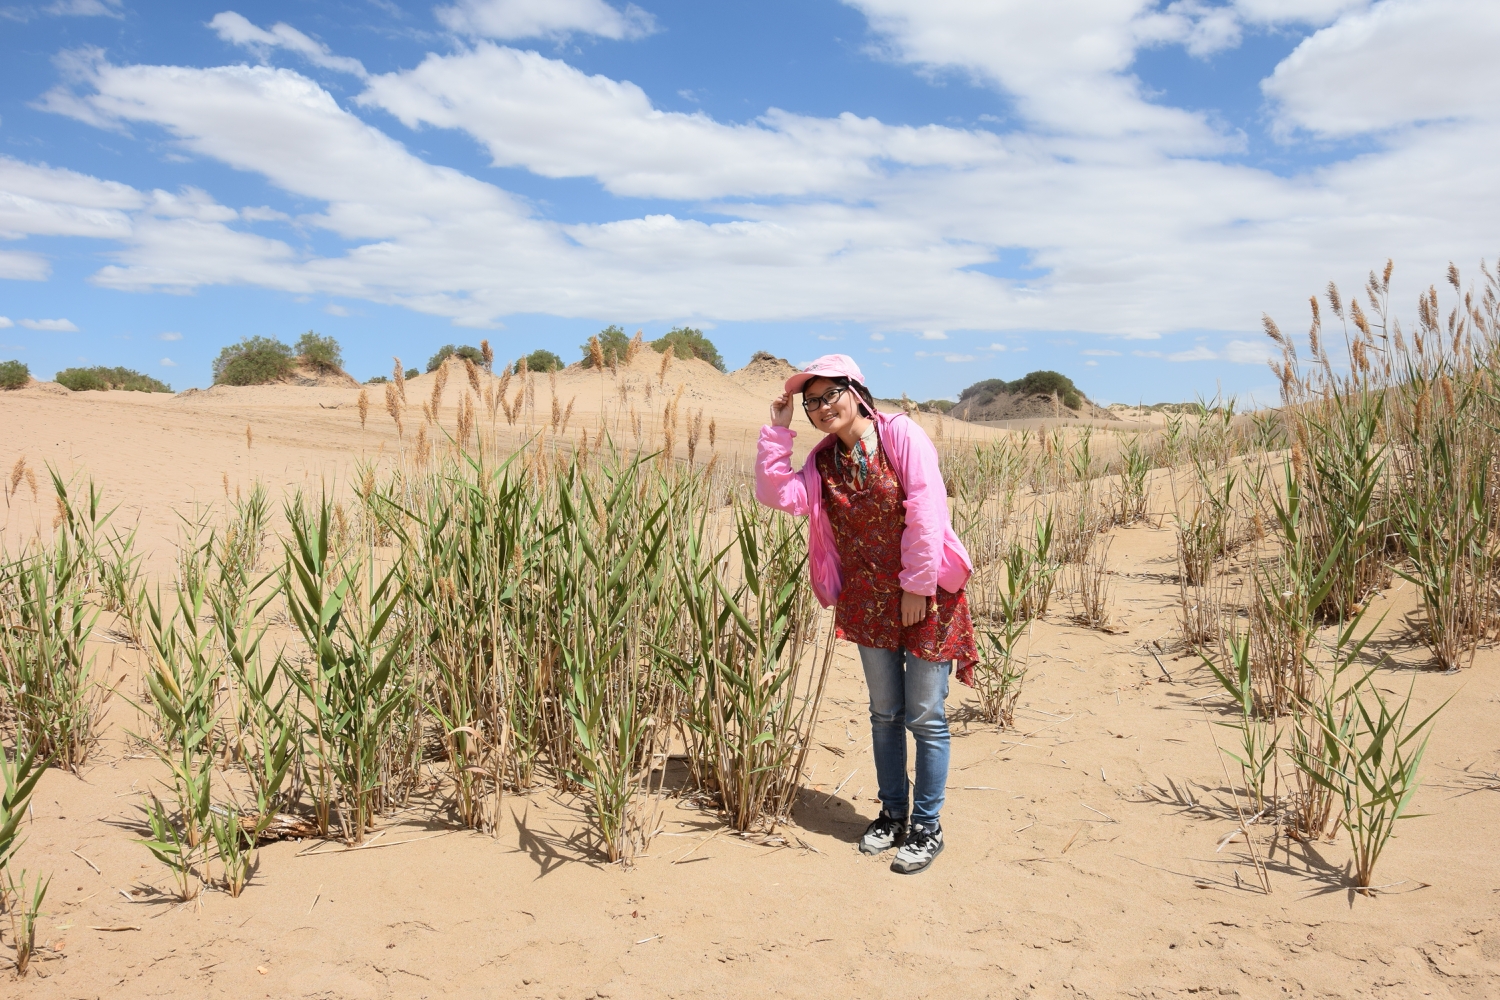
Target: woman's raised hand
781,410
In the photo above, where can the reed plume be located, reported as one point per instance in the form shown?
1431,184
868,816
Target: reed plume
364,407
488,353
398,376
393,406
472,370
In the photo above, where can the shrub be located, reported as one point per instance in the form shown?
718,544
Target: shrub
541,361
936,406
253,361
612,341
687,342
1043,383
376,380
102,379
411,373
14,374
320,352
448,351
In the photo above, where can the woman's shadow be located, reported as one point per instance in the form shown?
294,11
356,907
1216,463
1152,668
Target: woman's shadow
829,815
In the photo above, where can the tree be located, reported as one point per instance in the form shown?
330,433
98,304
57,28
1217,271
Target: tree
686,342
541,361
253,361
448,351
612,341
410,373
320,352
14,374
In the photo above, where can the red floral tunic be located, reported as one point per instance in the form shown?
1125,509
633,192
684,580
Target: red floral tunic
868,522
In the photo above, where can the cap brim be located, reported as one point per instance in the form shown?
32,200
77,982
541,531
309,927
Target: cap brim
797,381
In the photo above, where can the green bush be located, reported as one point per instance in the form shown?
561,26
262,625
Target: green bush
687,342
100,378
542,361
411,373
1043,383
612,340
376,380
936,405
14,374
449,350
320,352
253,361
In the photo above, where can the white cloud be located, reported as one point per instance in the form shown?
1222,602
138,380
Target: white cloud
996,347
169,336
934,335
50,325
263,213
1091,364
1100,353
877,337
237,30
543,114
1399,62
509,19
6,321
167,363
85,8
825,336
17,265
954,359
334,309
1240,352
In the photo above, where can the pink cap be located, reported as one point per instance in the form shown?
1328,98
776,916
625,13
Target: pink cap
828,366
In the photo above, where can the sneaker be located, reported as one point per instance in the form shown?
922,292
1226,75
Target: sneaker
882,835
923,843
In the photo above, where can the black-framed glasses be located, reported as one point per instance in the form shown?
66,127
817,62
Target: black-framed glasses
813,403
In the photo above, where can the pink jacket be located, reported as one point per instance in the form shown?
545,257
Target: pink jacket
931,554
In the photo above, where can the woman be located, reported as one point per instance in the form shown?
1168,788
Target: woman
881,547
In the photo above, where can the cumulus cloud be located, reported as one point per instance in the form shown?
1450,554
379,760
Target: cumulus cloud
167,363
513,19
1397,63
17,265
237,30
6,321
50,325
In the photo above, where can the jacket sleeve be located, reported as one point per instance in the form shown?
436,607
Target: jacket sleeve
776,484
926,509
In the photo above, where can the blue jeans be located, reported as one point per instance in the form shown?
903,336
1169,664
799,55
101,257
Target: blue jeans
907,693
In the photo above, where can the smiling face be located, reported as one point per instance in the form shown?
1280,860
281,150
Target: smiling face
838,418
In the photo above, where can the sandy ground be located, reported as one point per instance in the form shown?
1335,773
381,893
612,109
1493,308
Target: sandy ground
1081,852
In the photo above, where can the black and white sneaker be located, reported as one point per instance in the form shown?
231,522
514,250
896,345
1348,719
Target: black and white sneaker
882,835
923,843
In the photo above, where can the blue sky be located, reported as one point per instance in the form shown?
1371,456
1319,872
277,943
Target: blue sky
948,190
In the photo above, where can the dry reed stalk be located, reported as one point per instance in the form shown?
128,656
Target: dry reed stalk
439,383
661,373
1093,584
695,428
465,418
249,437
713,433
226,485
596,355
16,472
488,353
634,347
31,480
427,416
568,412
472,371
364,407
422,448
398,378
393,406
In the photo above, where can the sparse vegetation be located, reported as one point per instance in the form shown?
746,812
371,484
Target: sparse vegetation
607,348
320,351
14,374
687,342
447,351
541,360
1038,383
254,361
100,378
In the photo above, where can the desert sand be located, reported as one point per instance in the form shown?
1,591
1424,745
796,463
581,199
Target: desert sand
1085,848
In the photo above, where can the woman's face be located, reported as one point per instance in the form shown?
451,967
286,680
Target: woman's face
838,417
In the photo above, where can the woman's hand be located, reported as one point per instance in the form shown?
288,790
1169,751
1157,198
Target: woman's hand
781,410
913,609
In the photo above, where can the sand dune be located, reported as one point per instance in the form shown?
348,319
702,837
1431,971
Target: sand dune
1087,852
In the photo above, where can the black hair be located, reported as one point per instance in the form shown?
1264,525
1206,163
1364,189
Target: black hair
866,400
